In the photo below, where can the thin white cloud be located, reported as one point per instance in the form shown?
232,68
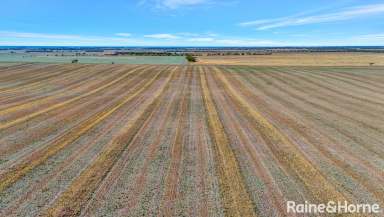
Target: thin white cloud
173,4
246,42
345,14
123,34
191,39
29,38
201,39
373,36
165,39
36,35
197,35
162,36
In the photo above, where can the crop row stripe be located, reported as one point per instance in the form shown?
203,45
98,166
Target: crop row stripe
131,84
30,95
343,132
75,74
321,93
24,198
355,174
171,181
236,198
42,183
369,147
345,115
336,90
275,194
37,81
21,169
140,181
59,105
285,150
29,73
39,101
301,129
16,66
367,80
80,191
353,84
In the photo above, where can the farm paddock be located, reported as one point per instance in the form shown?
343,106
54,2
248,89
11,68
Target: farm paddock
299,59
165,140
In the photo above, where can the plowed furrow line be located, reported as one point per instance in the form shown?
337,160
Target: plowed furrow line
302,127
65,86
342,93
4,69
202,147
141,180
351,93
236,200
63,118
28,73
39,85
22,68
61,115
62,104
364,79
76,90
25,96
342,130
45,88
339,92
73,200
202,165
286,151
20,170
195,166
371,149
346,115
54,174
172,178
42,80
35,82
323,95
375,73
353,83
275,196
370,184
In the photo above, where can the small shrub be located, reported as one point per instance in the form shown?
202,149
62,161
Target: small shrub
190,58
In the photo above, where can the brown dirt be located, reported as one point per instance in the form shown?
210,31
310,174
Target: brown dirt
98,140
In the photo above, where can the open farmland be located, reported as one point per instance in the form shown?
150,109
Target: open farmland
162,140
8,58
299,59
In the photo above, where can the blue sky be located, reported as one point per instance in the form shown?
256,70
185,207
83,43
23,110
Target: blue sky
192,22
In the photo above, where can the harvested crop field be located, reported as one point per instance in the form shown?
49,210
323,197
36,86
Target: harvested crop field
159,140
299,59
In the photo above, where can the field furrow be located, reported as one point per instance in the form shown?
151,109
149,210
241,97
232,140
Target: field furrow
193,140
235,196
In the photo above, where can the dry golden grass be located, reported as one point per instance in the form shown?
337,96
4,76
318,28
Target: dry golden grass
194,140
236,200
298,59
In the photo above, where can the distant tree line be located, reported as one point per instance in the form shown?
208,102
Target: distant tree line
227,53
238,53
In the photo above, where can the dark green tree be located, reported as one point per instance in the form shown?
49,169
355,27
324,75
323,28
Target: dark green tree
190,58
